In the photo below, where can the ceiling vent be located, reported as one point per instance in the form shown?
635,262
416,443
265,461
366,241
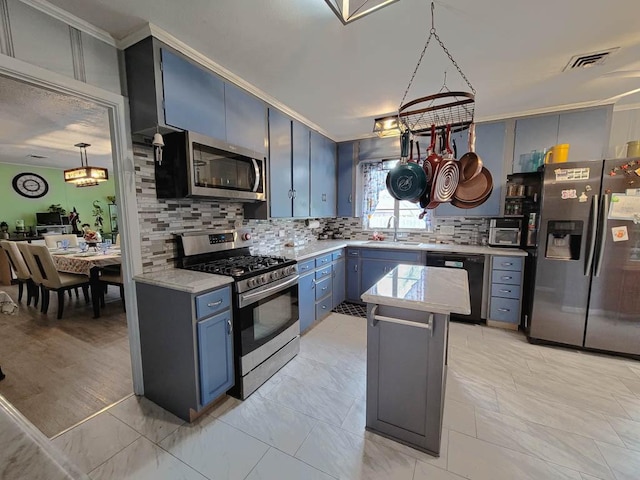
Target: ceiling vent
33,155
589,59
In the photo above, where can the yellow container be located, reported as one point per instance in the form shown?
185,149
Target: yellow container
633,149
557,154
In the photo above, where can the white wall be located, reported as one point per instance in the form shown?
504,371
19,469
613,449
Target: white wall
625,127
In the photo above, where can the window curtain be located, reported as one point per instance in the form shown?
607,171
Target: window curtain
374,182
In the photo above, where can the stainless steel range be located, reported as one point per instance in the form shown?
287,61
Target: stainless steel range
265,302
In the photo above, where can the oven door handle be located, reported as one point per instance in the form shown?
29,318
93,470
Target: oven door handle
247,298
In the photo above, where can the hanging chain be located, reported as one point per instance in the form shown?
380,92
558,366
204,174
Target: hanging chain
433,34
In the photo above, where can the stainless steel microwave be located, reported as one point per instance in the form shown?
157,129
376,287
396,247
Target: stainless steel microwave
195,165
505,232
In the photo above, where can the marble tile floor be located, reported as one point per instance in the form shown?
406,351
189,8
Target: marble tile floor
513,411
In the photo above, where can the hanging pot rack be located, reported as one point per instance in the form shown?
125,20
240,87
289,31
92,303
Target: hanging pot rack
453,108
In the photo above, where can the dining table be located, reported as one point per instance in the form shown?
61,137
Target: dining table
89,263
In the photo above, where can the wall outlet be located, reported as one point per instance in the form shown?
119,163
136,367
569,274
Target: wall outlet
281,233
447,229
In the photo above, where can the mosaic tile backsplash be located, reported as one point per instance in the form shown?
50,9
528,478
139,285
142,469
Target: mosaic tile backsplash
161,218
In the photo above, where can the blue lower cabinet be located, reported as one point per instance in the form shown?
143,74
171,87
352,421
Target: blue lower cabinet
215,355
372,271
353,279
339,287
323,308
306,300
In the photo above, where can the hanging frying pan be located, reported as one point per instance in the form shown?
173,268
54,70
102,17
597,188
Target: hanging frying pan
433,158
475,190
407,180
470,162
444,184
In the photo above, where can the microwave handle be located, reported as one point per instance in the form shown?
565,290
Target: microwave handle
256,169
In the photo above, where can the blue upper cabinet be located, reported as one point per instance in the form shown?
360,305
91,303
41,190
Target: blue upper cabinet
246,119
215,356
346,168
280,191
490,145
587,131
193,97
533,133
323,176
300,166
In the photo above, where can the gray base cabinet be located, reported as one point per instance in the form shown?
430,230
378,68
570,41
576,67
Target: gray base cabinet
406,375
321,287
187,347
506,291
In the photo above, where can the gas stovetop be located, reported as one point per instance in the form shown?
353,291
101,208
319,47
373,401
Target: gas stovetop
240,266
219,253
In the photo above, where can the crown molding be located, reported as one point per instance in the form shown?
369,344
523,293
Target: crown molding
71,20
191,53
627,106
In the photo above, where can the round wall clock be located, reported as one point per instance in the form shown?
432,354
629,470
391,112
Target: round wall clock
30,185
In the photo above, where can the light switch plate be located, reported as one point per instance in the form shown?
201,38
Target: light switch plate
447,230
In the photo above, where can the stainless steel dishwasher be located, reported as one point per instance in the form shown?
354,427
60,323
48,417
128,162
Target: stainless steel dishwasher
474,265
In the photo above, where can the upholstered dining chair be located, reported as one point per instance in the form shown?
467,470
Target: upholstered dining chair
21,270
36,278
112,275
51,241
54,280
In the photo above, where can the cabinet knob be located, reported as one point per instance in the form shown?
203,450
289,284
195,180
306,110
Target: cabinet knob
229,326
350,198
505,291
214,304
507,278
504,310
507,264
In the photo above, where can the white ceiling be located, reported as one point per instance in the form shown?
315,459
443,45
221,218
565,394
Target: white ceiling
35,121
341,77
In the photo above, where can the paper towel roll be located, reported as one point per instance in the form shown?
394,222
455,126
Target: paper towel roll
312,223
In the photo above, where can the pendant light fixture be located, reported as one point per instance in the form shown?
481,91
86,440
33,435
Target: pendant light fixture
351,10
85,176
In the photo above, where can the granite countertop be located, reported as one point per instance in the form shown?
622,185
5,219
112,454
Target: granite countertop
430,289
323,246
26,453
184,280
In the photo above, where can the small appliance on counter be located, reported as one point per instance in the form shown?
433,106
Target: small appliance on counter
505,232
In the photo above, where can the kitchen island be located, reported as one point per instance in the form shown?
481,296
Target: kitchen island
407,338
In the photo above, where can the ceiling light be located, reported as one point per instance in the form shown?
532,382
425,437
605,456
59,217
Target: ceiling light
386,126
351,10
85,176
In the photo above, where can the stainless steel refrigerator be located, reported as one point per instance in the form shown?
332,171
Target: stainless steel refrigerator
587,280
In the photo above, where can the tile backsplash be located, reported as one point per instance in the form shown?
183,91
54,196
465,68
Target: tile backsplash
161,218
467,230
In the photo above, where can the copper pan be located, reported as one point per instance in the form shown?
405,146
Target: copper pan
470,162
476,189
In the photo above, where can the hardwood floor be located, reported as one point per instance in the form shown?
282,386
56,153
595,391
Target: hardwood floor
60,372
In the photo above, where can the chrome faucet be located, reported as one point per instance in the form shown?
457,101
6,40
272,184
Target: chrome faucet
395,226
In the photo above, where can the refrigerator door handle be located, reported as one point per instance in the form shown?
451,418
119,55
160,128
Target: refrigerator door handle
602,236
593,230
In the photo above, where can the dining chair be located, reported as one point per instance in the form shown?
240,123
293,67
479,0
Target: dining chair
32,266
53,280
21,270
112,275
51,241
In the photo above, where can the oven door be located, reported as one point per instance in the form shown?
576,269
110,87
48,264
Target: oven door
264,313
